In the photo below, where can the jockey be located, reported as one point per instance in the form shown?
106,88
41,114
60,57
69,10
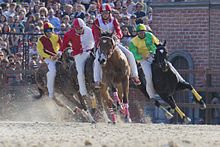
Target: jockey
143,46
81,38
106,23
48,46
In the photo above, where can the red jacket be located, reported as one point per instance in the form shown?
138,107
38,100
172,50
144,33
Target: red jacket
97,27
80,43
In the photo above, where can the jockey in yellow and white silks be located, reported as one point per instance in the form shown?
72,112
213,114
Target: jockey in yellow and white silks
107,23
143,47
48,47
81,38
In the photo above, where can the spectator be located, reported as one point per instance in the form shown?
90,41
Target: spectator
55,21
30,20
139,10
3,44
3,18
80,11
86,3
149,14
126,36
66,21
43,12
92,10
125,12
68,10
130,6
13,46
11,11
18,26
2,56
89,22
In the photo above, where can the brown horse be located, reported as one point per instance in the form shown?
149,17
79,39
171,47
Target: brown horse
116,72
65,83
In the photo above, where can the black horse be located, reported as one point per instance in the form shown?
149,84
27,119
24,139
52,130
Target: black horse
166,83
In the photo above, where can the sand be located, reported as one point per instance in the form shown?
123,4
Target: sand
26,122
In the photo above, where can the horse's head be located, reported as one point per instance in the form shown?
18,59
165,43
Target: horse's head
107,47
66,57
160,58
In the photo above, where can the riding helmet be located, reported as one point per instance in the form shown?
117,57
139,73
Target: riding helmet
48,27
141,27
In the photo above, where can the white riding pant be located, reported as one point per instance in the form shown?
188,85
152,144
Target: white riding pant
80,61
97,69
179,77
146,66
128,54
131,60
51,74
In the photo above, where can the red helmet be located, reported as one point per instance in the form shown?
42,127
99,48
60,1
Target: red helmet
48,27
78,23
105,7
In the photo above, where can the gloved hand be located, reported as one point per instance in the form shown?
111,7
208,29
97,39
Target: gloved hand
150,58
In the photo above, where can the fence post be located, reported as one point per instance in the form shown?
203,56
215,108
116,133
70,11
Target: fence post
208,99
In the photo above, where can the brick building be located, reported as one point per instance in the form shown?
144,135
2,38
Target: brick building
192,31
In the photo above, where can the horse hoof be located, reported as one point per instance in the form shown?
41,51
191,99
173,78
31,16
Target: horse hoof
93,122
127,119
187,120
37,96
202,105
168,115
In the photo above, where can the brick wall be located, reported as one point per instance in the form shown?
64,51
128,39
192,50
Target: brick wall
215,42
192,28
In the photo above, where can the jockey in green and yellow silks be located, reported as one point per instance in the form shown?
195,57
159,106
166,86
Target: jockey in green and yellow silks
143,47
143,44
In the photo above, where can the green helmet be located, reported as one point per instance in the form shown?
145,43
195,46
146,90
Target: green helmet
141,27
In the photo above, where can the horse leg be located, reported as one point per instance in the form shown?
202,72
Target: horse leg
173,105
185,85
167,113
85,108
125,89
41,93
117,100
109,102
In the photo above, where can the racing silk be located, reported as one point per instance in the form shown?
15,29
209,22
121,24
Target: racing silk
80,43
100,26
142,48
48,47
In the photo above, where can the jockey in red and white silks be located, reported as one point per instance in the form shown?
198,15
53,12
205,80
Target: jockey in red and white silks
81,38
107,23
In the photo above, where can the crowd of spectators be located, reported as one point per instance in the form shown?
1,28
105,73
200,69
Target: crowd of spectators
28,16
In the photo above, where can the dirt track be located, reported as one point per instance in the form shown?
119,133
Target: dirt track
26,122
84,134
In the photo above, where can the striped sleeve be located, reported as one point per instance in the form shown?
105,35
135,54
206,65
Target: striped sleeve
40,49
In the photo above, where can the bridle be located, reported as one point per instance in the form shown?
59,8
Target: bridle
112,49
163,64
